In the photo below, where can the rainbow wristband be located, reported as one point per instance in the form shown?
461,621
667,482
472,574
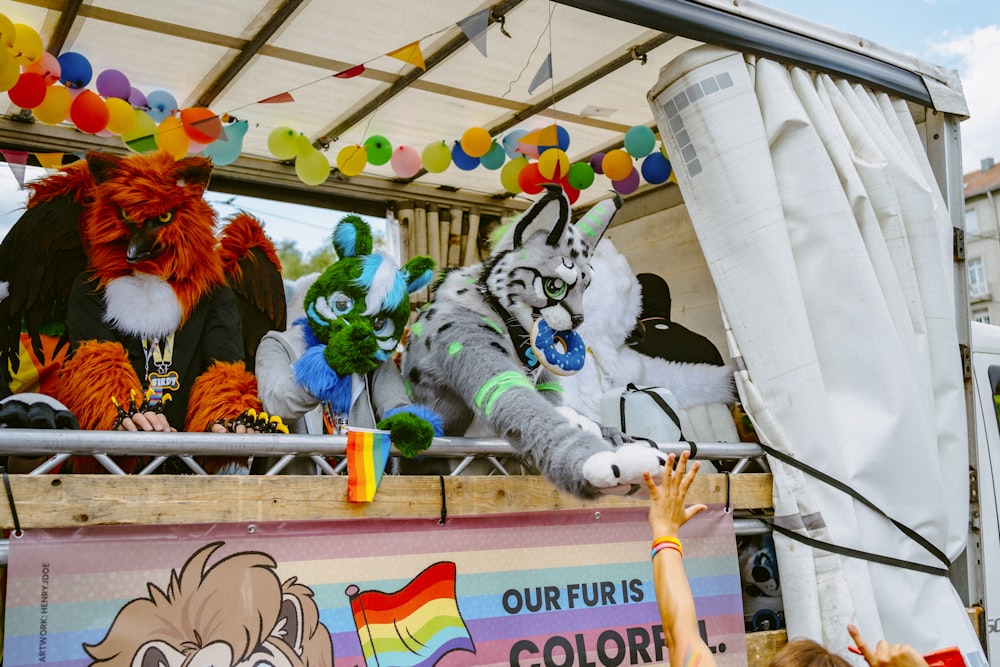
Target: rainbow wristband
669,539
665,545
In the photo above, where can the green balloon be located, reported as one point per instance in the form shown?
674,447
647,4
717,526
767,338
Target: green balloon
580,176
379,149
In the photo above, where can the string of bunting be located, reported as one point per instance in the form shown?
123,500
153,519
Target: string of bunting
56,89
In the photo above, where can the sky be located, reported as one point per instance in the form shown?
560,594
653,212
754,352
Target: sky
961,34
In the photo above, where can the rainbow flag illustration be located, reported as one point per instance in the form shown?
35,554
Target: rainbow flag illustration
367,454
415,626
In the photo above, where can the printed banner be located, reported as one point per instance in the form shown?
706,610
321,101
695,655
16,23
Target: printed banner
566,588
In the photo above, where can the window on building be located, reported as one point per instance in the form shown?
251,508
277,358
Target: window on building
981,316
971,221
978,287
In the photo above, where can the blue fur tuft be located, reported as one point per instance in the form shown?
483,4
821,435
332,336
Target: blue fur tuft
345,237
313,373
421,281
424,413
396,292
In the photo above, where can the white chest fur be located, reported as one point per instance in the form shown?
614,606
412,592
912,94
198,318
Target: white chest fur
142,305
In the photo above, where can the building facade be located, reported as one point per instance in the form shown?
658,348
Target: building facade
982,241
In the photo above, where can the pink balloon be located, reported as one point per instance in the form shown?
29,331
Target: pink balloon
628,184
405,161
48,66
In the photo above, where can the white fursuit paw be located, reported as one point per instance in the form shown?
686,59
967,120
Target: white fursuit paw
619,471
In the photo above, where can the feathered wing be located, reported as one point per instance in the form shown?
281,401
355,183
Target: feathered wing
39,259
253,271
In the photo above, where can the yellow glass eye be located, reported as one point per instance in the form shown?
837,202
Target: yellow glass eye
166,217
123,216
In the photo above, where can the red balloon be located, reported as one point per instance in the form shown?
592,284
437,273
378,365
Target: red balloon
570,191
530,179
29,91
89,112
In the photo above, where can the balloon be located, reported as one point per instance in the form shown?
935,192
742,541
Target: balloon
141,137
405,162
494,158
282,143
47,66
640,141
596,160
476,141
312,167
616,164
112,83
27,45
170,137
628,184
572,193
161,104
379,150
7,33
137,99
529,179
656,168
562,141
201,124
229,145
510,172
510,142
29,91
74,70
436,157
580,176
55,107
351,160
553,164
89,112
10,71
461,159
121,117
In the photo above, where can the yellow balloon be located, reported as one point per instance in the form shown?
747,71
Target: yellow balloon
7,32
171,137
142,137
351,160
121,115
282,143
10,69
312,167
476,142
436,157
617,164
27,45
508,175
553,163
55,107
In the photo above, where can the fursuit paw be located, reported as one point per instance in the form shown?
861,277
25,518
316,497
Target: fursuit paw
410,434
619,471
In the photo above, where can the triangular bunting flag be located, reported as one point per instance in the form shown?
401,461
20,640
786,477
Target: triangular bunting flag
16,160
543,74
367,454
211,126
350,73
280,98
49,160
474,27
410,54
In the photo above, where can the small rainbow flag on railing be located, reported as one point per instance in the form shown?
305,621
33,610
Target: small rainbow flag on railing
367,454
416,625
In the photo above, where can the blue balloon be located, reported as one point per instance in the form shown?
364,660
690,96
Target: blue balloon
656,168
461,159
228,147
562,137
510,142
639,141
75,70
495,157
161,104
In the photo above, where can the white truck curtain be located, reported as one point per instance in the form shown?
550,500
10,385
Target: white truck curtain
830,246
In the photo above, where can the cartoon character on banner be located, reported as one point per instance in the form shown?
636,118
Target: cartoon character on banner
333,368
489,350
162,317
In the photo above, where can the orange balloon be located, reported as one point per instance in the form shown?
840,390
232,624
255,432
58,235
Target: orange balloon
476,142
201,124
89,112
171,137
617,164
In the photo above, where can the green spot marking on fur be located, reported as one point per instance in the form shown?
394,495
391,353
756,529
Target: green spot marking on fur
493,325
491,390
454,348
417,329
549,386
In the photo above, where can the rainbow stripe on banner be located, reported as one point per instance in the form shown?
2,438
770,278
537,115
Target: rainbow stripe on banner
567,587
415,626
367,454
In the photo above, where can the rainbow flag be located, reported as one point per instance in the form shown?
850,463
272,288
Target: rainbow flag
415,626
367,454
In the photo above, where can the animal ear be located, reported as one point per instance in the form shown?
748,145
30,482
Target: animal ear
549,213
595,222
102,166
288,628
418,273
352,236
193,172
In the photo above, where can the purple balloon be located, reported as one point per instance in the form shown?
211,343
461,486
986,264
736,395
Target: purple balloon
596,161
112,83
627,185
137,99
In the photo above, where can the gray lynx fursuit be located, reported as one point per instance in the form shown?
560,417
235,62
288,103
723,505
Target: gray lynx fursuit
487,353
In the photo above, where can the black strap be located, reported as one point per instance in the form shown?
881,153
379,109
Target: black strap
10,501
663,405
444,504
840,486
